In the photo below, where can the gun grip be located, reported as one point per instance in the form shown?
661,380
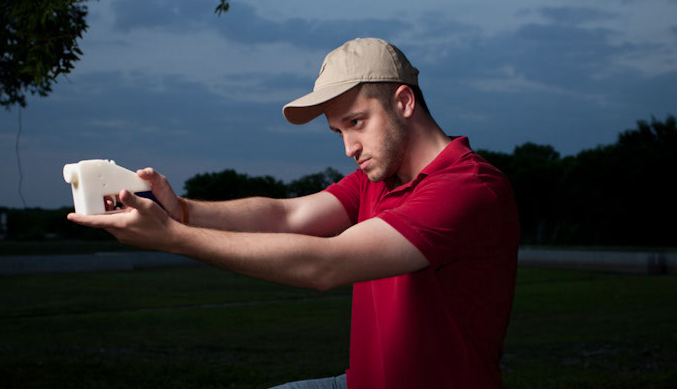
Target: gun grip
149,195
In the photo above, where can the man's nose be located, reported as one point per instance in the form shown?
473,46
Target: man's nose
353,146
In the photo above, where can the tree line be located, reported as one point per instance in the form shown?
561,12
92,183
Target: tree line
612,195
230,185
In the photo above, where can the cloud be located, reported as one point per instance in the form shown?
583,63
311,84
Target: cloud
108,123
508,81
243,25
238,55
575,15
566,83
258,87
178,126
441,31
175,15
547,55
564,55
308,33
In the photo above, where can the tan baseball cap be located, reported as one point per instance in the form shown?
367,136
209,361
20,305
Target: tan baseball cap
356,61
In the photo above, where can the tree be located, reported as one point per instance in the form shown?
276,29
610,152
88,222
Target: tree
313,183
535,173
229,185
38,43
222,7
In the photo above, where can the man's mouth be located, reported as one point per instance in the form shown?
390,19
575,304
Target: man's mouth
363,163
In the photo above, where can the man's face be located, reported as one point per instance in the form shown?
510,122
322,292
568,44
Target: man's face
373,136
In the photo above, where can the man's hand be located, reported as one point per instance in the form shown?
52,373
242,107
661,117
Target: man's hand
143,224
162,191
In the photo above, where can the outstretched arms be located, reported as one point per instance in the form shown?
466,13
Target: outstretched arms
306,242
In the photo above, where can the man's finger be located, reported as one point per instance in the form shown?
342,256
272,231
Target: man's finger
163,192
149,174
95,221
131,200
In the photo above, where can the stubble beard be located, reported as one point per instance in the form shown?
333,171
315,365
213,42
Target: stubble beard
390,156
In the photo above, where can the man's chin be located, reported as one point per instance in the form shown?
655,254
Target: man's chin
375,176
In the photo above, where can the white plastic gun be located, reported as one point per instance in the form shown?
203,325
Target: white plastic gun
93,180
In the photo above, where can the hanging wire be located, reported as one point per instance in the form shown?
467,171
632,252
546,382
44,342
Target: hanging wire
18,161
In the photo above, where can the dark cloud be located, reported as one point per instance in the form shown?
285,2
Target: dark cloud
309,33
176,15
574,15
554,84
561,55
170,113
437,26
167,122
243,25
259,86
554,55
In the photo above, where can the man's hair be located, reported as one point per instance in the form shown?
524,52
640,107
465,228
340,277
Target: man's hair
384,91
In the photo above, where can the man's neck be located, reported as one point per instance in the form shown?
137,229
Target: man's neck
426,142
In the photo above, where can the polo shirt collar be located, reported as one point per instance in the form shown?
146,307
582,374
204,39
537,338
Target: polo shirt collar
457,149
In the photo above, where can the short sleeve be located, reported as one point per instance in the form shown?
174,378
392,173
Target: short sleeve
347,191
449,219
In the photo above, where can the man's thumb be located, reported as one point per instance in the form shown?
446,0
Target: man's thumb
129,199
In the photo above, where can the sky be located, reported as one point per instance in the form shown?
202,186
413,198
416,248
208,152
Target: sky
171,85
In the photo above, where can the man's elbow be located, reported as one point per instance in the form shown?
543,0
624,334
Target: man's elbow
322,287
322,283
324,277
327,268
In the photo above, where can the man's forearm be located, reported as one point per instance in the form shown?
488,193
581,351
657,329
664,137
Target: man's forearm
291,259
258,214
320,214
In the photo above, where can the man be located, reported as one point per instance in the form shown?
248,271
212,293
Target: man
425,230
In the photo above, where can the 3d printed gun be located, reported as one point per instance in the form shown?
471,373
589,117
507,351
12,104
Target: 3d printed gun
94,180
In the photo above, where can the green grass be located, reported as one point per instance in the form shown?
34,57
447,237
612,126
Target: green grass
169,328
207,328
577,329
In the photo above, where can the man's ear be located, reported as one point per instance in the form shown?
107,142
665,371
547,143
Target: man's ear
405,101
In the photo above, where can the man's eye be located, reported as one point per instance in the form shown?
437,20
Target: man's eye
356,122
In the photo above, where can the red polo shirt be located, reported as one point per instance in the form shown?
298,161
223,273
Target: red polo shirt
443,326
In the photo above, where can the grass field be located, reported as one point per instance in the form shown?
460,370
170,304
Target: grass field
205,328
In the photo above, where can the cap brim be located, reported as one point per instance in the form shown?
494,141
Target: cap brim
308,107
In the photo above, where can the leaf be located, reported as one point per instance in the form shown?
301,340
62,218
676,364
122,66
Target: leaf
222,7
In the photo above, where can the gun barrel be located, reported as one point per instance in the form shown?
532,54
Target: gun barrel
70,173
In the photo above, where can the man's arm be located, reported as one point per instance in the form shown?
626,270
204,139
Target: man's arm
319,214
366,251
369,250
